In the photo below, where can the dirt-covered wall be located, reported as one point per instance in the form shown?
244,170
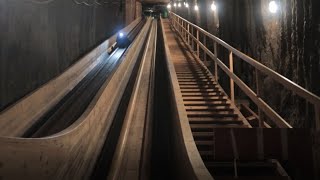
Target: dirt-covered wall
287,42
39,39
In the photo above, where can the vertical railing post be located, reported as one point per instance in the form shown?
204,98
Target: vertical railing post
185,31
179,29
192,40
215,61
258,95
204,52
188,33
198,47
231,80
182,31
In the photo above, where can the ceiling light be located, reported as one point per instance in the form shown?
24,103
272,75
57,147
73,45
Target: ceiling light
213,7
196,7
273,7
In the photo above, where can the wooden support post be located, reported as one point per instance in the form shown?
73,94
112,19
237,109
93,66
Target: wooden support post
204,52
185,31
231,80
192,32
258,95
215,61
188,28
182,30
198,47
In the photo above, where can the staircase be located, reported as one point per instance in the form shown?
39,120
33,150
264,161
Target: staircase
208,107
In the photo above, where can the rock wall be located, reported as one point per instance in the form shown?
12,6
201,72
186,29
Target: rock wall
287,42
42,38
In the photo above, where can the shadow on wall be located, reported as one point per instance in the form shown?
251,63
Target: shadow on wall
287,41
41,40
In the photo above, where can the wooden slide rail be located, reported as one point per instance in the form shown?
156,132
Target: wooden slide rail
187,30
16,119
132,158
72,153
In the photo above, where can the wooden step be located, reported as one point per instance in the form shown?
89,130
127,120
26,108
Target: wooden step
192,77
203,95
208,98
186,91
221,113
197,80
203,134
207,103
209,127
208,108
206,153
214,120
204,143
199,88
198,83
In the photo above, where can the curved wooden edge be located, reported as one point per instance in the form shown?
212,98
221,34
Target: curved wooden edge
312,98
16,119
70,154
193,164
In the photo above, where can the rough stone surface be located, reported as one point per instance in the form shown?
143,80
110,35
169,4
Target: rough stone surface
41,40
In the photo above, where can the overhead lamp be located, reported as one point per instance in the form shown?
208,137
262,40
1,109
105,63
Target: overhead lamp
273,7
169,6
175,4
187,5
179,4
213,6
196,7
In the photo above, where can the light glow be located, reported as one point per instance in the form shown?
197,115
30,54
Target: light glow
169,6
273,7
187,5
196,7
175,4
213,6
121,35
179,4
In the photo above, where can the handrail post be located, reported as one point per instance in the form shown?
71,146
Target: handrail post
204,52
231,80
258,95
215,61
179,28
185,31
198,47
182,31
192,40
188,33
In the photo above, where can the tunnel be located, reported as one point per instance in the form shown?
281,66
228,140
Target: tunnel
160,89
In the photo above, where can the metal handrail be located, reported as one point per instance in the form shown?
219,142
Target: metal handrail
186,30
